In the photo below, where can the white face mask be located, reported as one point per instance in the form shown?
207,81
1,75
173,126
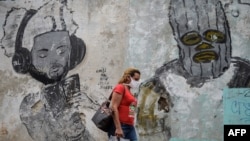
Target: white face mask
134,84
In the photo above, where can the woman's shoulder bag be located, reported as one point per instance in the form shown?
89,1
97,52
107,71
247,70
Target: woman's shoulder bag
103,116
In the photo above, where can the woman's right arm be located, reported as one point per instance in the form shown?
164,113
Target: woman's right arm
116,99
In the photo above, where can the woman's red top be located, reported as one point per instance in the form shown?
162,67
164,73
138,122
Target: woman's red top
127,105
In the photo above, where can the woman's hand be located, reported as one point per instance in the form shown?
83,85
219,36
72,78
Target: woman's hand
119,133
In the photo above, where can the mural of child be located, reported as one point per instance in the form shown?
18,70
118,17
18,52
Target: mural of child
54,50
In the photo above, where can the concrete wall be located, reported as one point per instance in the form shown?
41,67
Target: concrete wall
61,58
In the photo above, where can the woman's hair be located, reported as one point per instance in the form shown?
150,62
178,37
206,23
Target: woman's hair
128,72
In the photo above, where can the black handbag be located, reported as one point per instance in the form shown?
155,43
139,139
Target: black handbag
103,117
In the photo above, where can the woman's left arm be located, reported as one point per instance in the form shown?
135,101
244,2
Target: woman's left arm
116,100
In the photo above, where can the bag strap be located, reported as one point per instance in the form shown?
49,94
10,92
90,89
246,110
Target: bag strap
110,96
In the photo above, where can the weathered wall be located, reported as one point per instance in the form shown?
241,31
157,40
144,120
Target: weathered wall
62,58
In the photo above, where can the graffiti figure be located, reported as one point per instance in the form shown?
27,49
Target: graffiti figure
183,100
53,113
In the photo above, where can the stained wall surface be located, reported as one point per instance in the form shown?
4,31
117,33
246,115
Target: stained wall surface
60,59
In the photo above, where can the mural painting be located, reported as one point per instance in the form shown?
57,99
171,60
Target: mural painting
236,106
183,100
43,44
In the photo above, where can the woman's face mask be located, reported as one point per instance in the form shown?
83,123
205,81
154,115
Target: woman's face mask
134,84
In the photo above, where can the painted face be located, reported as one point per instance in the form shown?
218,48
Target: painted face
51,54
202,33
